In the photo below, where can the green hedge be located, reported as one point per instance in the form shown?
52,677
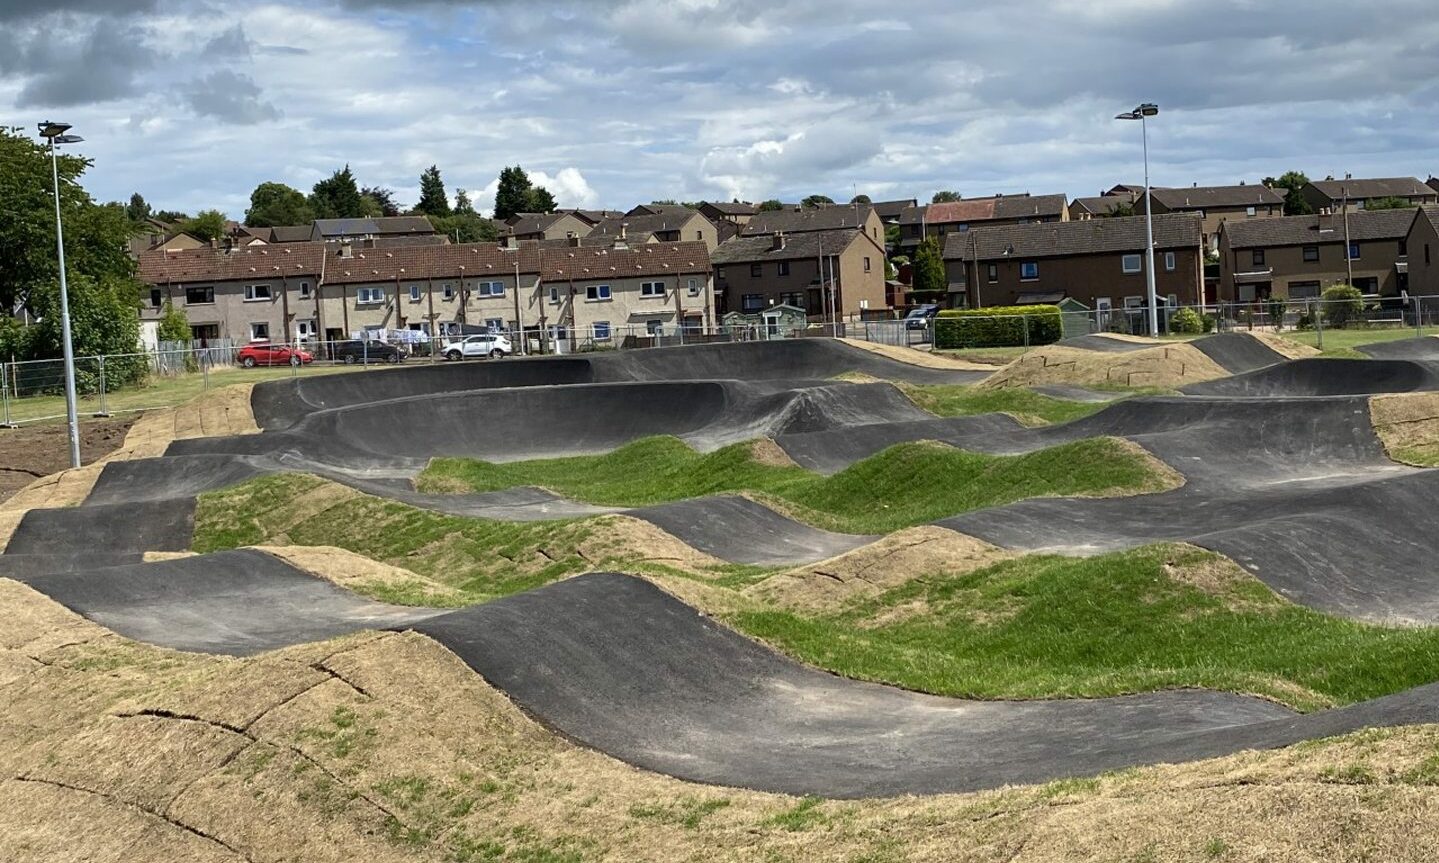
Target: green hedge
998,327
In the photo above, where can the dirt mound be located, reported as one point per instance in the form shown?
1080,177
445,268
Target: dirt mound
911,356
362,575
219,413
1289,348
1408,426
1166,366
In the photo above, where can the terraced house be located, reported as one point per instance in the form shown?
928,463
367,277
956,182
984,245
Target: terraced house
754,273
1422,246
1215,205
1296,257
1333,196
957,217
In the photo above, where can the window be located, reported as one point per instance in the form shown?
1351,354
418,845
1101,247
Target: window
554,296
792,298
1354,251
1132,264
1170,264
1303,290
490,289
597,293
756,270
652,327
304,290
259,331
866,265
719,273
601,330
1426,254
694,287
369,296
1256,257
257,293
1311,254
1368,285
1250,211
447,291
992,271
155,299
199,296
495,324
652,289
700,235
1403,248
752,302
782,268
414,293
1028,271
561,333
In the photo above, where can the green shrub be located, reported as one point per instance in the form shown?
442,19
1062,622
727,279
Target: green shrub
1210,322
1343,305
998,327
1186,321
1276,310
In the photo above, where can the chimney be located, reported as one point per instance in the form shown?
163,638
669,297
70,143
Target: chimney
347,251
777,242
1326,221
573,242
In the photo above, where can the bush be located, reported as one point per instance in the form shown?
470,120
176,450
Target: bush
1276,310
998,327
1186,321
1343,304
1210,322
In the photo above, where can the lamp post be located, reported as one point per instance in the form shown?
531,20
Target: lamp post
55,133
1144,111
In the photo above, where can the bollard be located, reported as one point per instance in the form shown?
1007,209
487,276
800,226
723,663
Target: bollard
104,405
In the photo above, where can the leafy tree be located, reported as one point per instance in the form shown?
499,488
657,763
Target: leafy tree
891,235
433,199
1293,183
539,200
463,206
1389,203
102,321
174,326
944,197
274,204
207,225
861,199
771,205
468,227
1343,304
516,194
137,210
1118,209
815,201
929,276
337,197
379,201
171,217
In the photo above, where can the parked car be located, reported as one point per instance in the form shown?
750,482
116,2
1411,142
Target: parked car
261,354
357,351
919,318
493,346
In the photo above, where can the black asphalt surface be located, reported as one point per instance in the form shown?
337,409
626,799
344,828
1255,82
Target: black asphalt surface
1104,344
1424,348
1325,376
1238,353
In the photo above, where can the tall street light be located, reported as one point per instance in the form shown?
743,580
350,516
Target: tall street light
1144,111
55,132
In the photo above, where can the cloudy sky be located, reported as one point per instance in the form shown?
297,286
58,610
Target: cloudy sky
611,102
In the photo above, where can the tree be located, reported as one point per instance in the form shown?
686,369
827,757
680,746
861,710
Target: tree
1118,209
1342,304
929,276
102,321
379,201
816,201
137,210
1293,183
1389,203
516,194
433,199
539,200
170,217
945,197
861,199
207,225
274,204
469,227
771,205
463,206
174,326
337,197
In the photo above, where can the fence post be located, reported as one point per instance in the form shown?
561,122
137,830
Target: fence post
104,405
1319,323
5,395
205,373
1418,316
1025,317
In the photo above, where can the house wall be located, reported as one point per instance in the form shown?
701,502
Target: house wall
801,286
230,312
696,229
1214,217
343,311
861,289
1287,265
566,226
1320,201
1082,277
1423,248
626,311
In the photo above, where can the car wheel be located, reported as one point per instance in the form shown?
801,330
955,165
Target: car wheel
452,356
248,362
392,359
497,354
349,359
294,361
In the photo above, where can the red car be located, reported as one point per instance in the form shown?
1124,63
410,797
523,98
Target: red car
272,355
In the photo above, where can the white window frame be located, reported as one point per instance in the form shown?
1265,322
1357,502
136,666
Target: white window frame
1171,262
305,290
554,296
369,296
1029,271
415,293
1353,251
652,290
252,294
447,291
654,327
490,289
1131,269
1251,211
496,325
609,332
694,287
256,336
598,294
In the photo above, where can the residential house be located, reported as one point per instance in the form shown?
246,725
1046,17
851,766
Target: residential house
291,233
1099,262
1297,257
1216,204
240,293
754,273
599,294
1127,191
1100,207
1422,246
354,230
544,226
671,226
940,220
799,220
737,213
1433,183
1331,195
890,211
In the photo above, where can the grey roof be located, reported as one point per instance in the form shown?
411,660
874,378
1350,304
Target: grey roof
1102,204
534,223
1305,230
732,208
795,221
1062,239
639,226
1433,183
1381,187
1201,197
384,225
891,210
291,233
995,208
809,244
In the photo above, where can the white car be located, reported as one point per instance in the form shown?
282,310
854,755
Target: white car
492,345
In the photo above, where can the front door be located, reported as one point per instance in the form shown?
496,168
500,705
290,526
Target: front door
771,325
1102,308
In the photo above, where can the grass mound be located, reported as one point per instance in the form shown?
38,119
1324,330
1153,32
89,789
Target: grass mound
903,486
1151,618
1167,366
1027,406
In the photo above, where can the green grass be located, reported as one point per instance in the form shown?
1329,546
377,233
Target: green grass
1341,343
986,356
903,486
1027,406
1044,626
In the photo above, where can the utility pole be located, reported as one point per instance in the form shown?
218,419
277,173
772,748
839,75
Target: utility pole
1348,258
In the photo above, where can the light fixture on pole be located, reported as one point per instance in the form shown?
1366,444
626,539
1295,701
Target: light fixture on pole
1142,113
55,133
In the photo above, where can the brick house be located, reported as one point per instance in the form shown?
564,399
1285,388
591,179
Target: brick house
798,220
671,226
1331,195
1422,246
544,226
957,217
1215,205
600,294
756,272
1298,256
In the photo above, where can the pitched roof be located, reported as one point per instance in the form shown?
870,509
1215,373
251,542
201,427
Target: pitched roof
1201,197
1433,183
383,225
1306,230
639,226
220,265
967,210
732,208
470,260
1088,237
654,209
534,223
291,233
1101,205
891,210
1381,187
808,244
651,259
795,221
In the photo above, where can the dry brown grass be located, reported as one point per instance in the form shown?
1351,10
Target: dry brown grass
766,452
875,568
361,574
1408,426
1170,365
386,747
914,357
1286,347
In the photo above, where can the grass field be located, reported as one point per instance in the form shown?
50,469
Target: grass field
1027,406
905,485
1341,343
